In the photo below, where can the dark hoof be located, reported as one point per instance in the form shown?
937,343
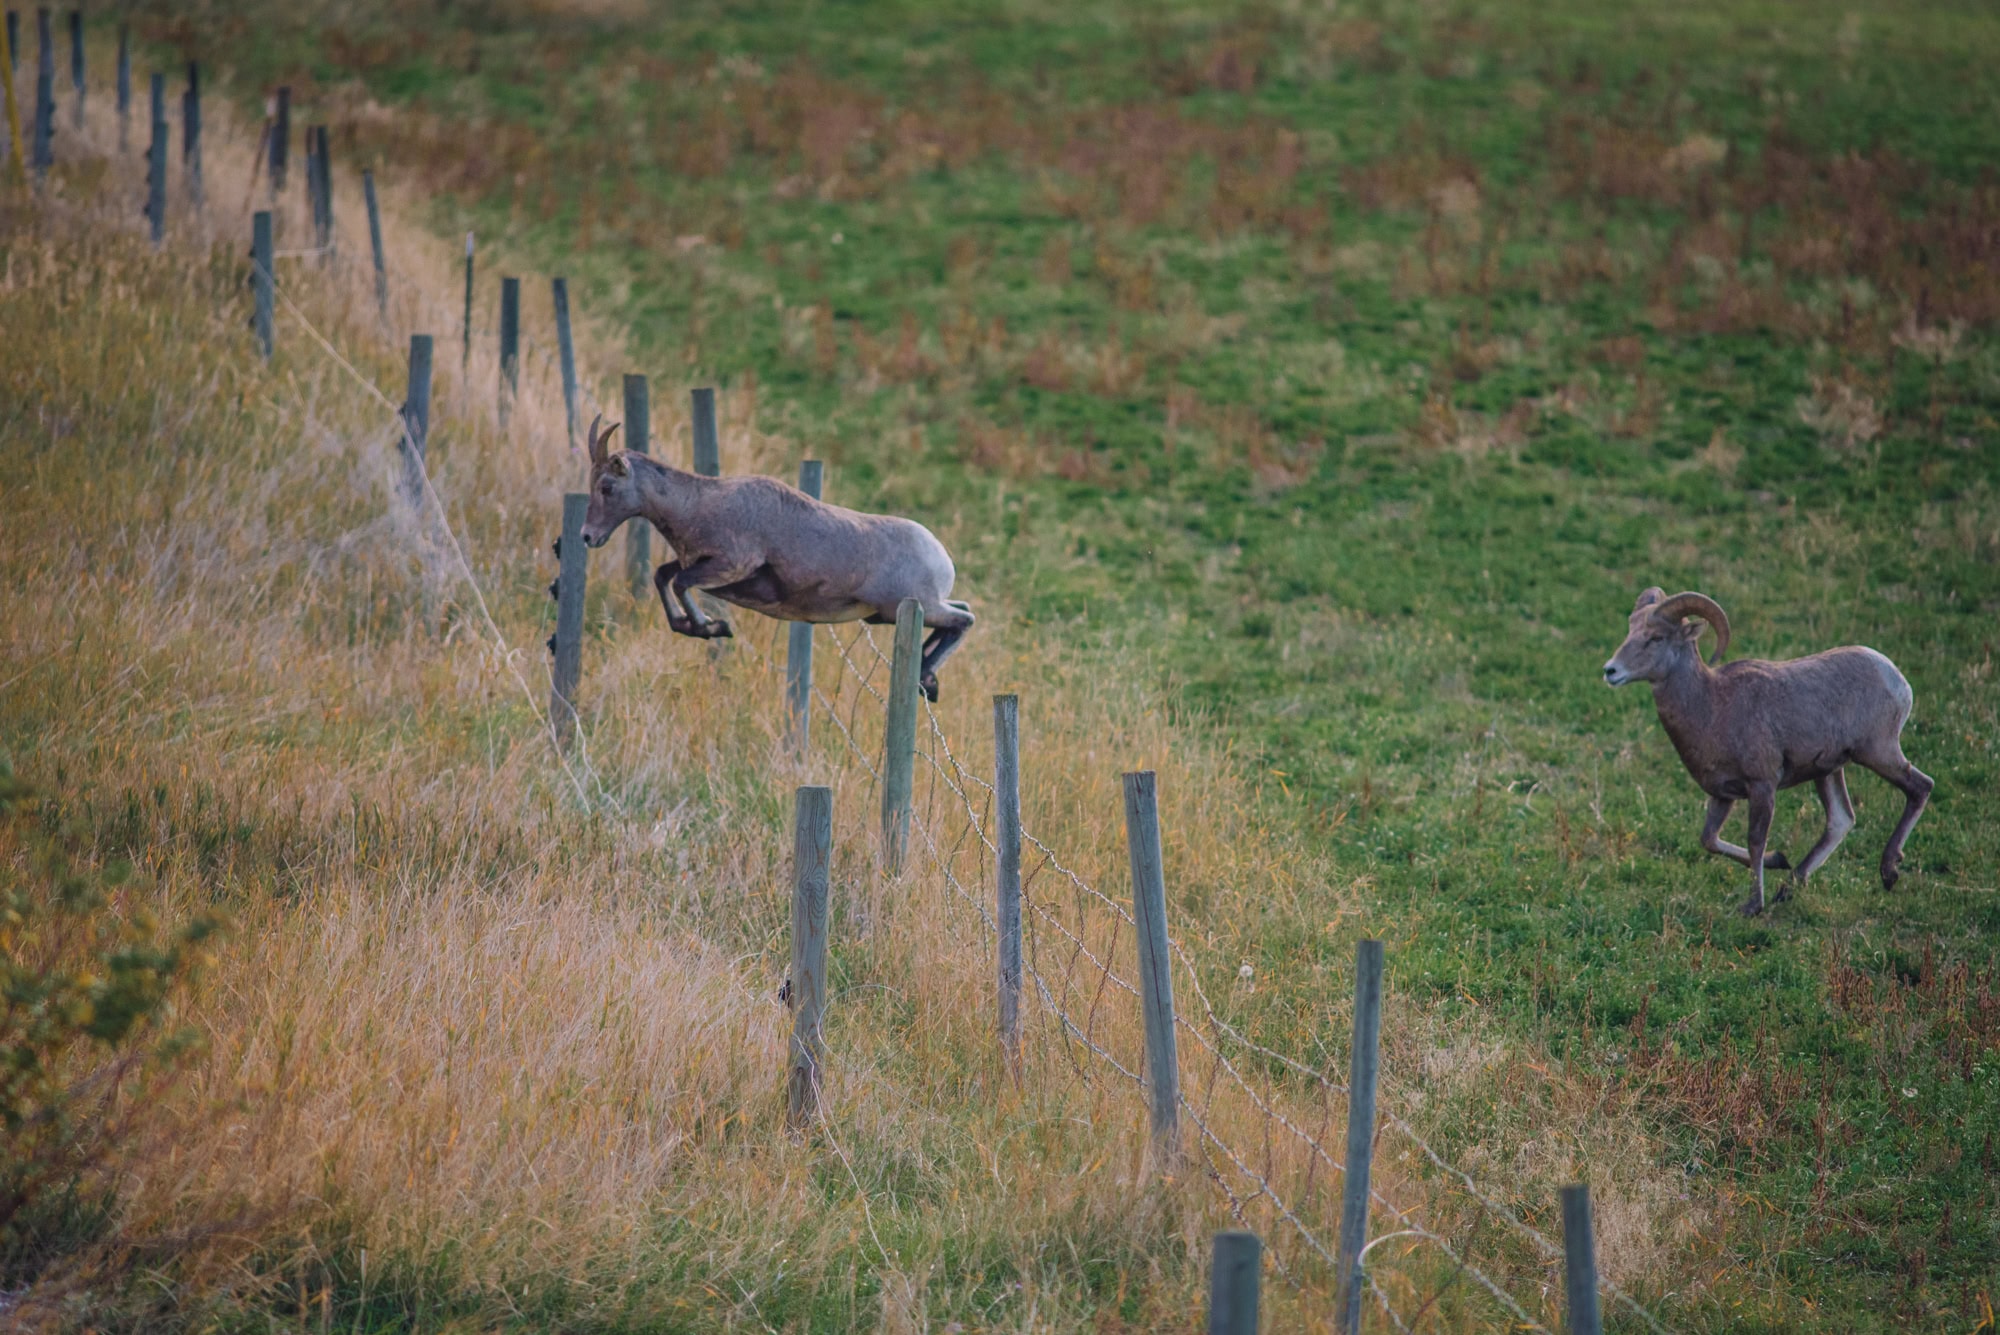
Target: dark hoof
1751,907
1890,875
929,685
1777,862
717,630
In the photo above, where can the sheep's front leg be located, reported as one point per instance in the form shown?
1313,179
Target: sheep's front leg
1712,840
707,573
1763,805
663,579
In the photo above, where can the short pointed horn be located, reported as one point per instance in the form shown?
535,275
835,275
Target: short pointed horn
1705,607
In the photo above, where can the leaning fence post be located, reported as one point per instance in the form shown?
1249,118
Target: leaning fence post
281,139
465,357
76,64
567,643
1007,867
45,95
1156,978
639,440
417,417
707,450
1580,1262
559,293
805,989
899,736
156,163
261,278
1362,1069
799,641
375,243
1233,1279
510,345
191,134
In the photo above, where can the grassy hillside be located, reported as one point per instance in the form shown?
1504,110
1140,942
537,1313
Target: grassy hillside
1306,395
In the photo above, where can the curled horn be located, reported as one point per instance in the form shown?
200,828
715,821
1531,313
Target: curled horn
598,439
1705,607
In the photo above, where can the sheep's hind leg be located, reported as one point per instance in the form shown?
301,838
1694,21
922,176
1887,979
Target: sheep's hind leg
1916,787
663,579
1832,790
948,627
1763,805
1711,840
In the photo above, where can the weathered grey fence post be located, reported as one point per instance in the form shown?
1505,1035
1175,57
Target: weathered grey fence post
559,293
417,417
261,278
567,643
77,66
281,140
1580,1262
45,95
899,736
375,243
156,163
639,439
799,642
510,345
1007,867
14,41
322,167
707,448
465,357
1156,976
1363,1066
1233,1279
191,134
124,84
805,989
16,166
309,141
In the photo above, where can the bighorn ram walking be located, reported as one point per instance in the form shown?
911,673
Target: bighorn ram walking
1749,728
757,543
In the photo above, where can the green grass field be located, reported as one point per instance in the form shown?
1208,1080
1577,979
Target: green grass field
1341,375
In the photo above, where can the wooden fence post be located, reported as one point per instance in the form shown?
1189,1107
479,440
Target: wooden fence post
45,95
566,349
510,345
124,84
76,64
16,166
322,166
1156,977
261,278
1580,1262
799,641
417,418
1363,1066
638,534
805,989
567,643
707,447
281,140
1007,867
1233,1279
14,41
899,736
375,243
465,357
156,163
191,134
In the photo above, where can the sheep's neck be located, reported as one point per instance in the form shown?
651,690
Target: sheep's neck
667,496
1686,704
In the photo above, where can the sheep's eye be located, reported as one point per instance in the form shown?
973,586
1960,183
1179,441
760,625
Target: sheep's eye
1654,639
605,486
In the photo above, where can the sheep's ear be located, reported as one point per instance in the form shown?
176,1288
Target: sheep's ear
616,466
1649,597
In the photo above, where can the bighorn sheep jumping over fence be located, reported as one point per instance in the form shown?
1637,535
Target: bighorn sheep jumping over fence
757,543
1752,727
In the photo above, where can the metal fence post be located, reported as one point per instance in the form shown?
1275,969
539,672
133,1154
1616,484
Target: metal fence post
375,243
707,449
191,134
1233,1279
1580,1262
281,140
510,345
1156,978
1363,1067
1007,867
417,417
799,642
156,163
261,278
559,293
45,95
899,736
805,989
567,643
639,440
465,357
76,64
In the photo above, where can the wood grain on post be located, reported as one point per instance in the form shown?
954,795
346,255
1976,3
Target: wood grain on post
1156,978
156,164
510,345
566,349
805,994
1580,1262
375,244
1233,1279
638,533
417,418
261,279
567,643
799,642
1363,1067
899,735
1007,868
